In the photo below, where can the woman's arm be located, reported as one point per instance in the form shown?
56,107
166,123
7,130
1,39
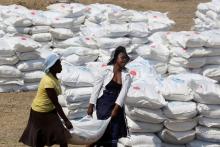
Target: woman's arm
98,82
53,97
124,90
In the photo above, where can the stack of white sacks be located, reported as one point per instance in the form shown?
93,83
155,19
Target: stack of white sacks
178,109
178,52
206,94
157,52
108,26
21,66
68,40
212,44
207,16
81,33
196,52
15,20
10,77
77,83
46,27
187,51
99,27
143,106
30,62
126,28
181,110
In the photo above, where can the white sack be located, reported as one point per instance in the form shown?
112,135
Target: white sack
8,60
208,134
145,115
159,37
211,71
105,43
144,127
77,114
5,48
141,94
139,29
139,139
62,100
176,89
87,130
18,21
180,125
40,29
80,51
18,30
212,38
78,105
194,52
42,37
188,77
28,55
211,111
23,44
141,69
115,30
172,69
30,86
76,76
30,65
177,137
33,76
154,51
206,92
172,145
186,39
9,71
195,62
80,60
61,33
160,67
209,122
10,88
62,23
8,81
180,110
199,143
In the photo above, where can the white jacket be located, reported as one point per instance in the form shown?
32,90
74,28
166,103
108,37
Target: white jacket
104,78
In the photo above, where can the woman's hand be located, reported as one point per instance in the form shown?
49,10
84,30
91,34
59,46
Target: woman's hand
115,111
90,109
53,97
68,124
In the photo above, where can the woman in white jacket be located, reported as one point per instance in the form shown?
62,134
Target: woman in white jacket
108,97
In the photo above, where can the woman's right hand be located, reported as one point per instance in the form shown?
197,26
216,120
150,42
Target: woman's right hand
90,109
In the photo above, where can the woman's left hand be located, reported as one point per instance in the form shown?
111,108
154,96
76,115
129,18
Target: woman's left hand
68,124
115,111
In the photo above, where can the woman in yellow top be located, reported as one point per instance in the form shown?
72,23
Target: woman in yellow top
44,125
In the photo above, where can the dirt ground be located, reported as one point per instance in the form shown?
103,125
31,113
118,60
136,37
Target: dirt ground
14,107
14,112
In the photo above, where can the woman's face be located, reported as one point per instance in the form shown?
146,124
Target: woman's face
57,66
122,59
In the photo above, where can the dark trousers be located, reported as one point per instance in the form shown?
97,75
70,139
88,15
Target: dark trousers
117,126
